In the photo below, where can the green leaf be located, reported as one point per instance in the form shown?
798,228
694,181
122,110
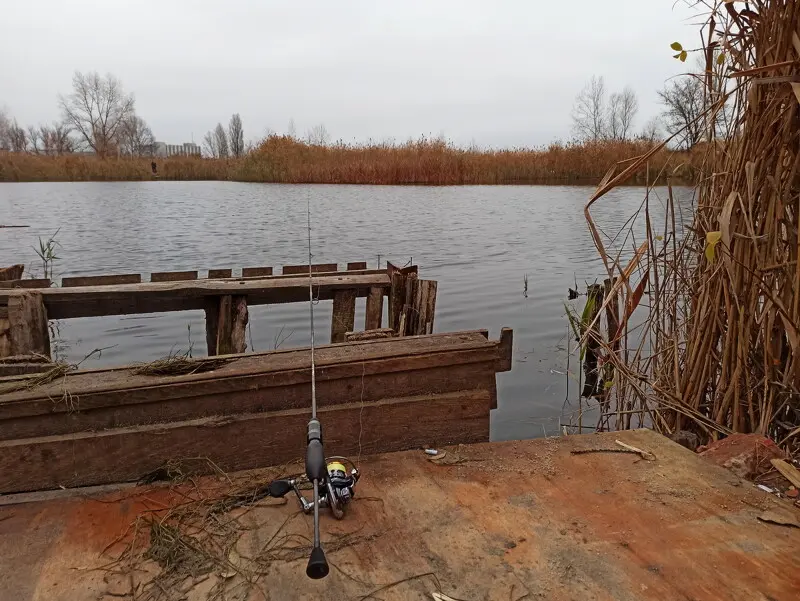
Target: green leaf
676,46
683,56
676,55
720,58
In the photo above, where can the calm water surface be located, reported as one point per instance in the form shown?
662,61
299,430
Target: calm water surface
479,242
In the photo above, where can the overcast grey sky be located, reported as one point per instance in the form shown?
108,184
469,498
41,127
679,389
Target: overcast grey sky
499,72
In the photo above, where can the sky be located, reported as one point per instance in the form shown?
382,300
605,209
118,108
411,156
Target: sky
496,73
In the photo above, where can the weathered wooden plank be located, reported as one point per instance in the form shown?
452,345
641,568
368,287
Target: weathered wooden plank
27,318
119,386
430,310
40,283
356,265
376,334
231,325
315,268
374,311
101,280
220,273
126,454
253,272
344,314
5,335
211,310
87,301
173,276
11,273
348,385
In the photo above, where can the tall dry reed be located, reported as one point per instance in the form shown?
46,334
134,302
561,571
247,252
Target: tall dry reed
281,159
719,351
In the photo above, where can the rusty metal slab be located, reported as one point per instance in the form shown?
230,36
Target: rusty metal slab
506,521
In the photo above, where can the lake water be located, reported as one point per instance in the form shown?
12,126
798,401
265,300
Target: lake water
479,242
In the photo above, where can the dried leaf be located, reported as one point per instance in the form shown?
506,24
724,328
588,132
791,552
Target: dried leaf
676,46
682,56
712,238
720,58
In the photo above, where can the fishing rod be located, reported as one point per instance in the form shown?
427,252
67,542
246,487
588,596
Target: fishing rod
333,487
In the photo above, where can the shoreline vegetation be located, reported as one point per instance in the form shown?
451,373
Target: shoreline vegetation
285,159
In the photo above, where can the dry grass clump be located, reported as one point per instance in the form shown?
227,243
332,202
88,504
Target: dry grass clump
719,350
180,365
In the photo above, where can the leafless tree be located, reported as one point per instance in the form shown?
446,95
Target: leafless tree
291,130
17,138
33,140
97,110
683,107
651,132
318,135
55,139
5,126
589,111
136,138
629,107
236,136
221,138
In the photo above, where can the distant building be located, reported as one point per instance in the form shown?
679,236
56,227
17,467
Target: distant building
187,149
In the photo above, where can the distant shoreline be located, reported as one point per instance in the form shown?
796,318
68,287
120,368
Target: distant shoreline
431,163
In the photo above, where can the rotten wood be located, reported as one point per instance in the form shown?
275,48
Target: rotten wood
127,454
11,273
344,314
152,297
255,272
373,334
28,331
101,280
593,341
173,276
231,326
316,268
33,283
374,310
220,273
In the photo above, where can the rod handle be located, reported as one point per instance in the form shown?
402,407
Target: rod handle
317,564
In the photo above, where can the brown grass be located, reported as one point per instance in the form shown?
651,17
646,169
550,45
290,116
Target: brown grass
719,351
281,159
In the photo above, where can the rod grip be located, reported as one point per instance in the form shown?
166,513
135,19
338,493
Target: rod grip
315,455
317,564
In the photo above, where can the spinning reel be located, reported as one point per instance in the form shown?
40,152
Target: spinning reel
336,489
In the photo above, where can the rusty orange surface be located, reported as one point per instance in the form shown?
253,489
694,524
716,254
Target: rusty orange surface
506,521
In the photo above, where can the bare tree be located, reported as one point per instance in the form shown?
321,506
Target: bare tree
97,109
651,132
318,135
136,138
210,145
221,139
55,139
5,126
17,137
629,107
589,111
683,107
291,130
33,140
236,135
613,121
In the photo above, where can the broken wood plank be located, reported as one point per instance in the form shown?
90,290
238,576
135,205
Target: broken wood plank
27,318
220,273
173,276
152,297
254,272
40,283
232,325
343,319
430,310
374,334
316,268
101,280
356,265
261,439
11,273
374,310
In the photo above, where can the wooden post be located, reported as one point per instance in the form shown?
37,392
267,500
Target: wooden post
374,312
28,330
344,314
11,273
591,377
424,307
5,333
226,325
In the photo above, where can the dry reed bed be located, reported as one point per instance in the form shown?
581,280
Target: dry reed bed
720,349
282,159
